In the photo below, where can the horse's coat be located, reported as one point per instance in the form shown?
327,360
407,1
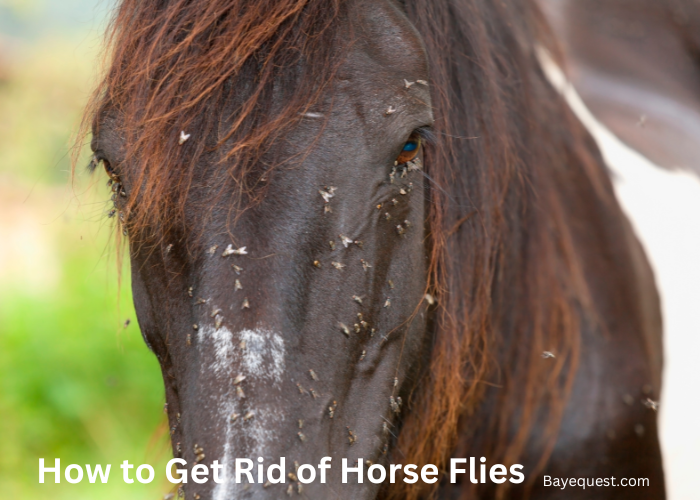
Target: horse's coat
511,228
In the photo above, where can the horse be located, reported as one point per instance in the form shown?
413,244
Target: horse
635,65
374,231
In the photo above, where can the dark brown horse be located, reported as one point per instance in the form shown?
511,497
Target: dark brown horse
372,230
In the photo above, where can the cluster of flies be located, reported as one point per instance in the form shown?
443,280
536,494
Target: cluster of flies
118,192
361,325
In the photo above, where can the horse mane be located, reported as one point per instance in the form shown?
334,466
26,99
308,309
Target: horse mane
511,280
510,165
211,69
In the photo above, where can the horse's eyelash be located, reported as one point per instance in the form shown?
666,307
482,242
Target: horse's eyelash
97,157
426,134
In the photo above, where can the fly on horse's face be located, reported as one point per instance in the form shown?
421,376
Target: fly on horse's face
305,326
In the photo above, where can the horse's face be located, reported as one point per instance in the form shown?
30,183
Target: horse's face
301,345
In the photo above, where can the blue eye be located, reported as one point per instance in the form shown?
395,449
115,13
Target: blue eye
410,149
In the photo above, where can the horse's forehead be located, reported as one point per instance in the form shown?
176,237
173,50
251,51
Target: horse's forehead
379,75
384,38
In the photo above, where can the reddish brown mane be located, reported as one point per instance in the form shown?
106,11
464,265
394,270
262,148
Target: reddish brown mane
210,69
509,280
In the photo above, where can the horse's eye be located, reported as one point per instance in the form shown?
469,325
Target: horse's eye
410,149
108,168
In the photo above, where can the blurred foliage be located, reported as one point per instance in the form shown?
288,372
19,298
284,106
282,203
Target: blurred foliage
75,384
40,106
19,7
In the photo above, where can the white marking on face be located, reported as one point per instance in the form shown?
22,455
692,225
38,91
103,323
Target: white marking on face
262,360
263,356
222,340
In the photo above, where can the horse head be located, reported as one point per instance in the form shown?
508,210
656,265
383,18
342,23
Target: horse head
283,286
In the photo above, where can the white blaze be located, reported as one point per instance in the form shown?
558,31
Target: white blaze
262,361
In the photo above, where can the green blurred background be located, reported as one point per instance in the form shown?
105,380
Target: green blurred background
75,383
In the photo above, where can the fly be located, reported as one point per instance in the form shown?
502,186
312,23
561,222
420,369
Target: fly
328,193
183,137
414,165
352,437
234,251
395,404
